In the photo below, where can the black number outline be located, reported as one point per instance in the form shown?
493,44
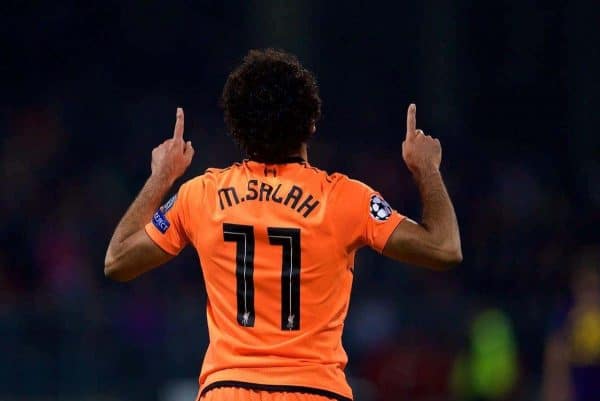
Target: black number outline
291,262
289,240
243,236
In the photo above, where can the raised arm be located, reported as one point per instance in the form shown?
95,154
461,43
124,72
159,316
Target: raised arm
435,242
131,252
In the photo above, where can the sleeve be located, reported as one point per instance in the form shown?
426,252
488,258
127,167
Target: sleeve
167,228
367,218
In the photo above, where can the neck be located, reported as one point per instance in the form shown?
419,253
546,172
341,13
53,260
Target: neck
302,152
300,155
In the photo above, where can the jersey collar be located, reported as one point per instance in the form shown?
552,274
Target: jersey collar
287,160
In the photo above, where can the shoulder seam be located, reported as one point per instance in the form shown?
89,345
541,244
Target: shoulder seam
217,170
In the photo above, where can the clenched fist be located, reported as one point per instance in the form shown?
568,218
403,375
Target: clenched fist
422,153
171,158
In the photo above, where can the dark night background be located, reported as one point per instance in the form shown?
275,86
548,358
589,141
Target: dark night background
88,90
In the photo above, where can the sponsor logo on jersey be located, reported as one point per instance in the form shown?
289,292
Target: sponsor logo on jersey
379,209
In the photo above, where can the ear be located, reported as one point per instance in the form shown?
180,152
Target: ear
313,129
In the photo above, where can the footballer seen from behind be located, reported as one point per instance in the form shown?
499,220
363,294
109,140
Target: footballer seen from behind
277,237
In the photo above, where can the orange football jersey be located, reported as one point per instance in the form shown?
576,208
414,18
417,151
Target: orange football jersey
276,245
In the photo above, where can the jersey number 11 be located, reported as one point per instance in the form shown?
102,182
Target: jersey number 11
289,240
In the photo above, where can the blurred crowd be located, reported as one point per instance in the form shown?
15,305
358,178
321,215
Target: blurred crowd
518,320
476,332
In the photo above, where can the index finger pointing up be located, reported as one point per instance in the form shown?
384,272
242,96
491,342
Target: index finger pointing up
178,131
411,121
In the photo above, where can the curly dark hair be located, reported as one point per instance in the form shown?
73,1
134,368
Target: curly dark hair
271,103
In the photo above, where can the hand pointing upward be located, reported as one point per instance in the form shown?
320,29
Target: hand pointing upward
421,153
179,124
171,158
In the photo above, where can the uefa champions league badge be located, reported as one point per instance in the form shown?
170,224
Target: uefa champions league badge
379,209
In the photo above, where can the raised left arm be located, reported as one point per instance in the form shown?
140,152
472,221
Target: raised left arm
131,252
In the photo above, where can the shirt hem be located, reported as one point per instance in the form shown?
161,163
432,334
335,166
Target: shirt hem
379,247
274,388
165,248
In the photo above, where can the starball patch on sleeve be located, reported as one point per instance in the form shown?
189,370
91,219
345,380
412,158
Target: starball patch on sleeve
379,209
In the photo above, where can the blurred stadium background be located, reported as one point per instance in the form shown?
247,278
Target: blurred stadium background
510,88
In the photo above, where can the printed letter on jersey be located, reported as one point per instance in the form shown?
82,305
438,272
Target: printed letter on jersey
296,198
379,209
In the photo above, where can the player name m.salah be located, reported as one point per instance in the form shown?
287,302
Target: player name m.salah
258,191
